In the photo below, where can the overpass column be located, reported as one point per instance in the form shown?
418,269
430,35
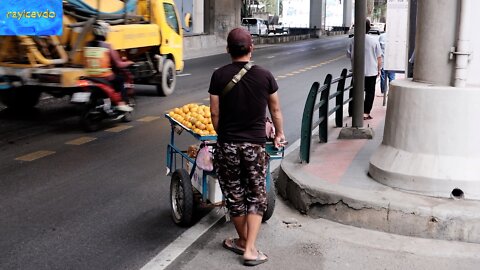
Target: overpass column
317,14
347,13
430,143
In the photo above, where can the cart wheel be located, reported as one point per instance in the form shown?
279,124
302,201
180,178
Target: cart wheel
181,198
271,196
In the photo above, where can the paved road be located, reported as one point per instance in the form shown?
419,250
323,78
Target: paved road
100,200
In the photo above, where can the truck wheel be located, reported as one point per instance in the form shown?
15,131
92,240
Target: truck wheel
168,79
20,98
271,197
181,198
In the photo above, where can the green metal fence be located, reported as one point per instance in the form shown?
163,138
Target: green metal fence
311,105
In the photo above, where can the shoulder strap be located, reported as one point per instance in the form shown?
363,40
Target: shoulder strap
236,79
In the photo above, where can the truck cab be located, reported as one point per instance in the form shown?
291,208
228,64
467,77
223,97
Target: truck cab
147,32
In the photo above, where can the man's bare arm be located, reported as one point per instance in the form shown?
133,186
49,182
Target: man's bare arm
277,118
215,110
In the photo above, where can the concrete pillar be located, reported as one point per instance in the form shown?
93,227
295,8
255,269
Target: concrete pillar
436,29
430,143
221,16
317,14
347,13
209,14
226,16
198,17
412,23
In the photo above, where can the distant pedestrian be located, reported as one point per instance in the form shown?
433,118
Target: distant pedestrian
411,61
373,65
386,76
238,116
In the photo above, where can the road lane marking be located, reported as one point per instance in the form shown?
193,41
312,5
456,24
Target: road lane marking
118,128
81,140
184,74
270,57
35,155
148,118
185,240
293,73
207,99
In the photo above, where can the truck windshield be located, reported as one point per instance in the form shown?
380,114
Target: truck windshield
171,16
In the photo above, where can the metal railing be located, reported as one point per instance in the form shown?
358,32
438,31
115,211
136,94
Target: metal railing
311,106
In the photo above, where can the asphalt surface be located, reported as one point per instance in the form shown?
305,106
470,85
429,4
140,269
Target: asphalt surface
104,204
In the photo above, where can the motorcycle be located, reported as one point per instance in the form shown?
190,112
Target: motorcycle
97,104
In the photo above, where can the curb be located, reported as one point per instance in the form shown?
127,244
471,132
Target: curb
384,209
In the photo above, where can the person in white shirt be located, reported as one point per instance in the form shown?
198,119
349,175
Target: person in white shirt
373,65
386,76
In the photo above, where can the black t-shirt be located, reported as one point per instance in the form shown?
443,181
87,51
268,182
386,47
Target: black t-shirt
243,109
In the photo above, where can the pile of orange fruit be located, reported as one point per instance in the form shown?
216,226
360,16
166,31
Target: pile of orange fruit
195,117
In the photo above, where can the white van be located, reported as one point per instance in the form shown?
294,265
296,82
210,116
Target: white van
255,26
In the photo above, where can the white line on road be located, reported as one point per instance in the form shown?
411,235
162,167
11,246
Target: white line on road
271,56
186,239
184,74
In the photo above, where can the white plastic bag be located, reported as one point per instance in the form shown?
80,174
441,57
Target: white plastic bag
205,158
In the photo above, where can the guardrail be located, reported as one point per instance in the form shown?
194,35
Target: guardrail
311,106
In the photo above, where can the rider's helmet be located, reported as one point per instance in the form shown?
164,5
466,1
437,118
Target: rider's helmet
101,28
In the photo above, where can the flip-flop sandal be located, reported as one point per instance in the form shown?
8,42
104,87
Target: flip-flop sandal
234,246
257,260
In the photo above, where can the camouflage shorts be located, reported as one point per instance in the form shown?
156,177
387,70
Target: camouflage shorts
241,170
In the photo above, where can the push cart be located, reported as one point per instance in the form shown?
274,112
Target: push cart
191,187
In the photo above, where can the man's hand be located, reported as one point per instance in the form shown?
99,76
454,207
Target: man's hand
279,140
128,62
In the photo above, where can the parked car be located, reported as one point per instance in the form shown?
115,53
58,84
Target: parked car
374,30
255,26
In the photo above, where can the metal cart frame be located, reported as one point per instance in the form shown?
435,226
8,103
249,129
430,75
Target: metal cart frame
182,192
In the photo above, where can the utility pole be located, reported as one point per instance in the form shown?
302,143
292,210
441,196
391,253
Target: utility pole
359,63
357,131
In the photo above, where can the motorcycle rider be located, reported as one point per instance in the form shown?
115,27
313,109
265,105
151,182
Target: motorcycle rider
99,60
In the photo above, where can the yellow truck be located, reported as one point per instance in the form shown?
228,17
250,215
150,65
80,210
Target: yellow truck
148,32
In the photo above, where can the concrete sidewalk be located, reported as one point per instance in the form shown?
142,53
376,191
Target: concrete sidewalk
321,244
